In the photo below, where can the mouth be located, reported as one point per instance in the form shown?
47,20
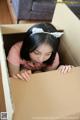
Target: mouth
37,62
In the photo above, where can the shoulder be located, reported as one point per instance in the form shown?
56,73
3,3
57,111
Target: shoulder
56,59
14,53
16,46
56,56
55,63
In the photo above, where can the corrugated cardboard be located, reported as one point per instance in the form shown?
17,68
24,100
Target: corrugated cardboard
51,95
48,95
70,43
2,99
4,79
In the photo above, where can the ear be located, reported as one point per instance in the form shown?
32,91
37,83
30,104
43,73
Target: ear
57,34
37,30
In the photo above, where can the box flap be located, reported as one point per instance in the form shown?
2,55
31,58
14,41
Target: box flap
64,18
48,94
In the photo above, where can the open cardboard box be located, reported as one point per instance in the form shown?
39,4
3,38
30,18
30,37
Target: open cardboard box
48,95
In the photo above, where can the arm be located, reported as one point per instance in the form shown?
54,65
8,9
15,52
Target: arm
14,65
13,69
15,72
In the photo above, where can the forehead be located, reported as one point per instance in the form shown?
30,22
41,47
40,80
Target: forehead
44,48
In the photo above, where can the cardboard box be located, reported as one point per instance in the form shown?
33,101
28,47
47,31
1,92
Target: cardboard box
49,95
2,99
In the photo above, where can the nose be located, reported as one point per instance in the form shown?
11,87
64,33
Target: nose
41,59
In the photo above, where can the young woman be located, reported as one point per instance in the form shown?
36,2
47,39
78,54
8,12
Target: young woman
37,52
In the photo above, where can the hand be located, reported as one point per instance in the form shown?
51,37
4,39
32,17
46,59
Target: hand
23,75
65,68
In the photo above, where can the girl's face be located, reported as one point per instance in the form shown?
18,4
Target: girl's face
41,54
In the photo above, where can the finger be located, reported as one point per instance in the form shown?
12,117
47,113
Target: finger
60,68
20,77
63,69
67,68
25,75
14,76
29,72
71,66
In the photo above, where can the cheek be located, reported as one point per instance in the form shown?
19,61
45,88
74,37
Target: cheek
47,57
32,56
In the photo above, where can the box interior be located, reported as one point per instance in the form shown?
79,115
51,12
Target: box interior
70,44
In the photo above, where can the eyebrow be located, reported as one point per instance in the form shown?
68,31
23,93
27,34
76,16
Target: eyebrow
40,52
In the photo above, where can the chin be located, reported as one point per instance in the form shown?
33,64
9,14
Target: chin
37,62
34,61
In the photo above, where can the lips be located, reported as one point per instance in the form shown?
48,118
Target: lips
36,62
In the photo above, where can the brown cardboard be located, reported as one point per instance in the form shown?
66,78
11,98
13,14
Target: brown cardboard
70,43
15,28
51,95
5,85
47,95
2,99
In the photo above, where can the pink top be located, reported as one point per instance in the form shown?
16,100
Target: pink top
14,54
14,57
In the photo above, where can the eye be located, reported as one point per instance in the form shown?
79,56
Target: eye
37,53
49,54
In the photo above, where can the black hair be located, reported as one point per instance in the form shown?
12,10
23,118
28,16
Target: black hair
32,41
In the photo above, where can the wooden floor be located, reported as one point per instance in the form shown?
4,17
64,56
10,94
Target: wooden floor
5,16
4,13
